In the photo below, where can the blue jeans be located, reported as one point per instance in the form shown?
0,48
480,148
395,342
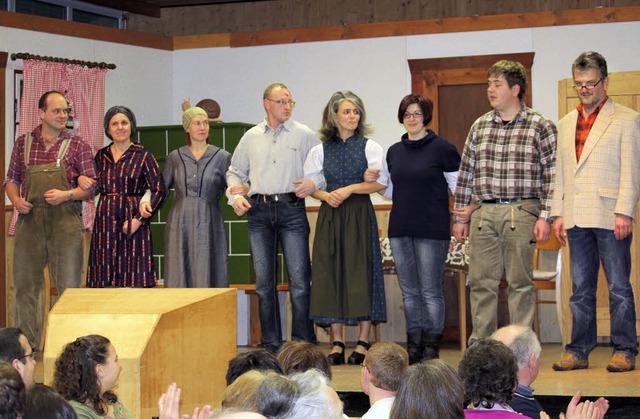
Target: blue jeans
420,266
587,247
286,223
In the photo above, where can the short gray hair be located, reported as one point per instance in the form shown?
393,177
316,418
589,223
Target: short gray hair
312,402
523,342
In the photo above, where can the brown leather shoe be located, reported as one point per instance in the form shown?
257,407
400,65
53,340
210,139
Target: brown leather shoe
570,362
621,363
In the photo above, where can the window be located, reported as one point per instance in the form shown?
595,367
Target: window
94,19
39,8
72,10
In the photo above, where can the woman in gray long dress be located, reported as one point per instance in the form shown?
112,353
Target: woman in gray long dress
195,243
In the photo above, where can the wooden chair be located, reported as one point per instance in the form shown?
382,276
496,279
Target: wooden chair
543,279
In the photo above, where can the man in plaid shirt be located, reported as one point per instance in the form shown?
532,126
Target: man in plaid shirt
502,198
42,184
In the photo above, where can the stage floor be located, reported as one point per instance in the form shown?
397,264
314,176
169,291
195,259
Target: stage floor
594,381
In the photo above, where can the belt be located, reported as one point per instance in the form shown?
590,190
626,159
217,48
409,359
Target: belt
505,200
279,197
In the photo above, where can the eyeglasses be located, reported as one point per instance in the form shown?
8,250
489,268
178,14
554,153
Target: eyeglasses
32,355
416,115
588,85
283,102
200,123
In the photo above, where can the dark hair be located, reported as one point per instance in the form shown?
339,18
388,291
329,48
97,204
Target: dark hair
261,360
126,112
12,392
43,402
276,396
10,347
590,60
75,376
513,72
425,104
430,389
42,102
387,362
296,356
489,371
329,129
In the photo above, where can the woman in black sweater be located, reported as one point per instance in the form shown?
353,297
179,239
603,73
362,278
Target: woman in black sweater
423,167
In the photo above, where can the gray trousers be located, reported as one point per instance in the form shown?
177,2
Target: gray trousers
502,243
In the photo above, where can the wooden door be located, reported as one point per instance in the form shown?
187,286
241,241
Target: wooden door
624,88
457,86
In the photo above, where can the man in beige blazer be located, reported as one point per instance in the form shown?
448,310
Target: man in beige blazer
596,190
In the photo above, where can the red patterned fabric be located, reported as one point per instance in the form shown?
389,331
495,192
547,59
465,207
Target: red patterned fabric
84,88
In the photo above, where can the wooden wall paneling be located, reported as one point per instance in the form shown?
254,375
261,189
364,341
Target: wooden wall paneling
405,18
624,88
431,26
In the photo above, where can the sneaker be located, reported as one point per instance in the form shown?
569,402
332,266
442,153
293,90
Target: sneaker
621,363
570,362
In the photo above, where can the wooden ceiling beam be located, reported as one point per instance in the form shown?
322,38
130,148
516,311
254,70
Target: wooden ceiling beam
132,6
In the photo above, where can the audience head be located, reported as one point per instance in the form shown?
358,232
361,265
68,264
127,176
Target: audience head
86,371
317,400
489,372
113,111
16,350
430,389
526,347
384,367
513,72
297,356
329,130
237,414
12,392
276,396
43,402
242,393
261,360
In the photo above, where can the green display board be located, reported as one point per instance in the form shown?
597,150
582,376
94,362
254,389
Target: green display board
161,140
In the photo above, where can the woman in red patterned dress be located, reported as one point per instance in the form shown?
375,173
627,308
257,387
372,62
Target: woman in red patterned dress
121,249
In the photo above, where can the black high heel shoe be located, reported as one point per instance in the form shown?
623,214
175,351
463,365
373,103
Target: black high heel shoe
337,358
356,358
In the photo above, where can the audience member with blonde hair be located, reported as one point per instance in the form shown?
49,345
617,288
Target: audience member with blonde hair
382,372
241,394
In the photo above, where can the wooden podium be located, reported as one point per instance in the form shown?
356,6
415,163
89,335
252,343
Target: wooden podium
161,336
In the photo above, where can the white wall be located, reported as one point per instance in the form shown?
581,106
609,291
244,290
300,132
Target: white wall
142,79
377,69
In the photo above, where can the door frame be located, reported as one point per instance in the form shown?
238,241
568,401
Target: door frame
428,74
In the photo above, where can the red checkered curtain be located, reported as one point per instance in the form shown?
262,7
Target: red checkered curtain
84,89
